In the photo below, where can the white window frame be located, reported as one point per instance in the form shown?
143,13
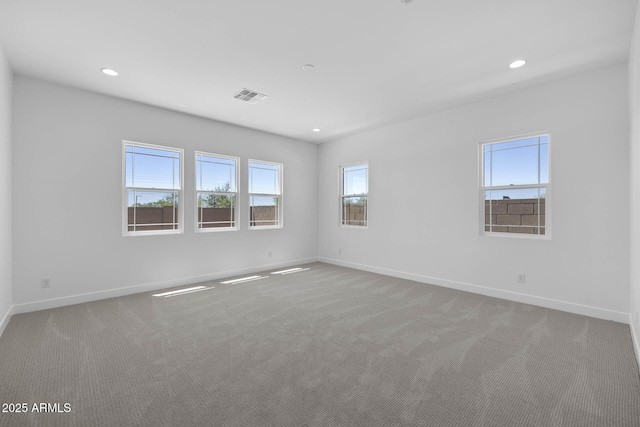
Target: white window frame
125,191
279,196
341,169
236,210
545,186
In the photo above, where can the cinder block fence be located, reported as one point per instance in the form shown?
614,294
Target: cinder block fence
515,216
166,217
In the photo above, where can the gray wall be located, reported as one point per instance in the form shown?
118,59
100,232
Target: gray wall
68,154
634,109
6,89
424,216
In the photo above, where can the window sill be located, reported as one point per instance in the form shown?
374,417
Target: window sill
215,230
151,233
516,235
266,227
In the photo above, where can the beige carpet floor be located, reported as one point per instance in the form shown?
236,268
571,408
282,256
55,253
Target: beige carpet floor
328,346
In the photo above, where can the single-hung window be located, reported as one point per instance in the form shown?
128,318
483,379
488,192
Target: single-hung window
515,186
265,194
152,189
354,190
216,192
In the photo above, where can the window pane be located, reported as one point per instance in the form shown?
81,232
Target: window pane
264,211
264,178
215,174
128,168
150,210
514,166
354,211
513,144
216,211
516,162
355,180
487,167
515,211
544,163
152,168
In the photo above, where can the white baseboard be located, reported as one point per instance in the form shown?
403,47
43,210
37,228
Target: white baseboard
585,310
113,293
635,339
5,320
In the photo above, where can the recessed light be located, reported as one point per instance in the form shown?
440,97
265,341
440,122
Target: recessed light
517,64
316,130
109,72
308,67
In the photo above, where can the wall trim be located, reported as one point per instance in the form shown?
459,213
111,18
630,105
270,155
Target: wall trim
635,340
5,320
146,287
585,310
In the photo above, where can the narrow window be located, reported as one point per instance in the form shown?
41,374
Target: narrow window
152,189
216,192
515,186
265,194
354,189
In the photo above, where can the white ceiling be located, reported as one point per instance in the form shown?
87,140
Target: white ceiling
376,61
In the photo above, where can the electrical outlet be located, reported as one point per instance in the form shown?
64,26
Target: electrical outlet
339,251
46,282
521,278
270,254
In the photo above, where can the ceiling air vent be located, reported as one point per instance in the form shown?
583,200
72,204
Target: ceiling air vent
405,2
250,96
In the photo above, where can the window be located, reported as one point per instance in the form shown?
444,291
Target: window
152,189
216,192
353,194
265,194
515,186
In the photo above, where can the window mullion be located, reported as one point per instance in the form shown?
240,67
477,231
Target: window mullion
491,166
153,190
514,187
135,210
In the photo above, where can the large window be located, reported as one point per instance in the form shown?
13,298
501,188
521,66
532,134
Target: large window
354,189
515,186
152,189
265,194
216,192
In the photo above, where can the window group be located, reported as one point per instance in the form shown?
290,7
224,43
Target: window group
154,193
514,190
